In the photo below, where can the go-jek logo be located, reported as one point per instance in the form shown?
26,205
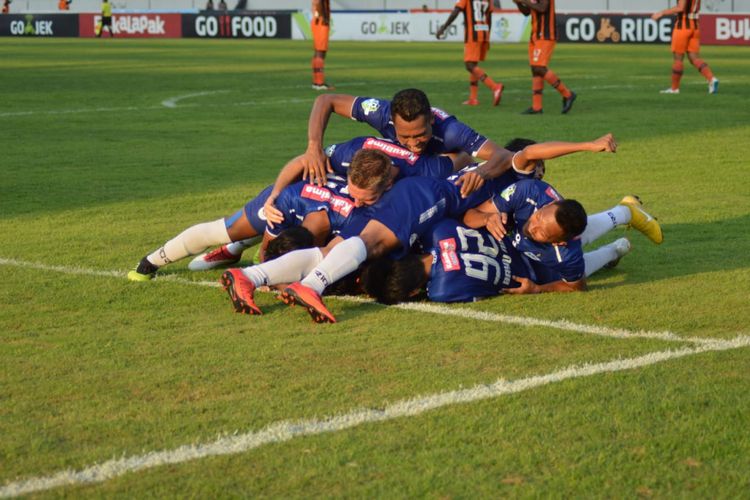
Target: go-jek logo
30,27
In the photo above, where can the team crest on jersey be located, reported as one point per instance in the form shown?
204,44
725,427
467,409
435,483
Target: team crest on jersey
439,113
552,193
508,192
370,106
448,255
330,150
391,150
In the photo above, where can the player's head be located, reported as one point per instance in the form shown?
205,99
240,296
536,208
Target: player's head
392,281
557,222
294,238
518,144
370,175
412,118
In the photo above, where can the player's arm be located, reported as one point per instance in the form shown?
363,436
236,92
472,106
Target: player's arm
498,161
314,161
525,160
680,7
488,216
528,286
539,6
522,7
291,172
319,225
448,22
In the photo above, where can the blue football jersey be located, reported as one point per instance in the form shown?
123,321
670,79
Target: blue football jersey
448,134
408,163
550,262
470,264
412,207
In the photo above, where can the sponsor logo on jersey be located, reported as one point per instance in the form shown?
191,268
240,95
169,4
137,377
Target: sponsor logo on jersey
313,192
439,113
432,211
391,150
448,255
338,204
370,106
508,192
552,194
343,206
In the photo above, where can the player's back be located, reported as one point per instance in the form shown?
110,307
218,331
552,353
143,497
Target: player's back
470,264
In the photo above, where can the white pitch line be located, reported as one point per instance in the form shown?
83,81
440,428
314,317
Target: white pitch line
286,430
172,101
428,308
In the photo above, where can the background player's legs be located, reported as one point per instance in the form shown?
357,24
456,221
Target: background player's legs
318,68
473,84
678,68
705,70
537,89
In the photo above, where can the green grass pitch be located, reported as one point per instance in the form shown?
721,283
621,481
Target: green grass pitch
95,172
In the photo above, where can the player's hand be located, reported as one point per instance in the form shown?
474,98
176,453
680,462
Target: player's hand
314,166
656,16
440,32
605,143
496,224
527,286
469,182
273,214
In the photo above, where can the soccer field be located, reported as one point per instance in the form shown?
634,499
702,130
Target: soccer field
109,388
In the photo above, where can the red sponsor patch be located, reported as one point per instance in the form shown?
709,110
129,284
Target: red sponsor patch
553,194
392,150
448,255
343,206
439,113
313,192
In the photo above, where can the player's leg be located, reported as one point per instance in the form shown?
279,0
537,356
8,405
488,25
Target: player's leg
480,75
320,49
606,256
628,212
537,90
343,258
694,57
680,42
473,84
191,241
547,47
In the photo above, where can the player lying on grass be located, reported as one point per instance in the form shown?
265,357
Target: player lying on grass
409,120
466,265
545,228
321,207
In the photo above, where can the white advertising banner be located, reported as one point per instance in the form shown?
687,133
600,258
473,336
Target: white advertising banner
408,26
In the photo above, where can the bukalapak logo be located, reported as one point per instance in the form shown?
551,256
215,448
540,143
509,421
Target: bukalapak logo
136,24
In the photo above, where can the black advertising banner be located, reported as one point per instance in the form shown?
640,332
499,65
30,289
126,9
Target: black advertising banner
240,24
39,25
613,28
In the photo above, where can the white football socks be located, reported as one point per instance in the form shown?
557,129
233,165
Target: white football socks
598,225
237,247
288,268
343,259
191,241
599,258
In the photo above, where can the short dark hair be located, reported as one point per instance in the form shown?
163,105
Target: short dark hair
518,143
370,169
294,238
392,281
409,104
571,216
